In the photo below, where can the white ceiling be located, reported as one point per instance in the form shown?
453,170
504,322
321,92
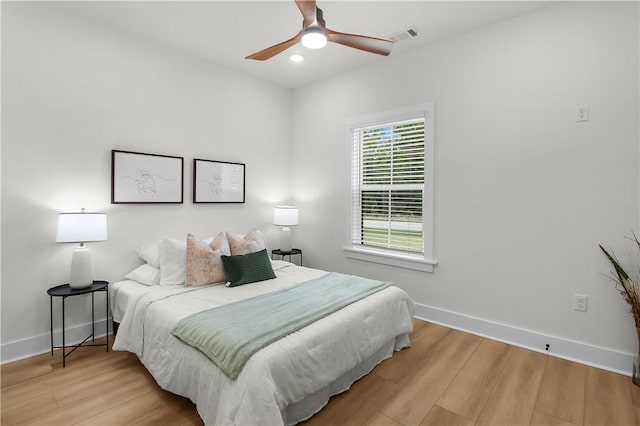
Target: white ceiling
227,31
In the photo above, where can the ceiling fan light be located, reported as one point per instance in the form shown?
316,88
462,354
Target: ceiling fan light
314,38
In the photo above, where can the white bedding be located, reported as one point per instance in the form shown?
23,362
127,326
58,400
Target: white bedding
283,383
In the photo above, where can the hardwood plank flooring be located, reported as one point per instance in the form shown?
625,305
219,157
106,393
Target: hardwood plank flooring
476,381
418,394
607,399
447,377
564,390
513,399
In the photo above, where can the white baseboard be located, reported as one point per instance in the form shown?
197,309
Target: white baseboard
25,348
583,353
595,356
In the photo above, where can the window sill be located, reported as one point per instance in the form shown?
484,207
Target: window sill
416,263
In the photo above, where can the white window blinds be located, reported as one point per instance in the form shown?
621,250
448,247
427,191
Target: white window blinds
388,182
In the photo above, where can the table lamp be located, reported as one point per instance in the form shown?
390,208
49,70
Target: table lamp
81,228
285,216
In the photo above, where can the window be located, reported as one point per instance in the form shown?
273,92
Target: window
392,188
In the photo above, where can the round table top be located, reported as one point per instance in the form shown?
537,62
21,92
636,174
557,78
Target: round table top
287,253
66,290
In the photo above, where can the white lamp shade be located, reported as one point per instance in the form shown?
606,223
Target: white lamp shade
81,227
285,216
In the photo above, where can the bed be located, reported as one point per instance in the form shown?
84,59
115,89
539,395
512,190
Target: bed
285,382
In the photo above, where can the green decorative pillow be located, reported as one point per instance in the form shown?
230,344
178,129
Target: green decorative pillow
247,268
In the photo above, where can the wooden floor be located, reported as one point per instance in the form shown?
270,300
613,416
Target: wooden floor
446,378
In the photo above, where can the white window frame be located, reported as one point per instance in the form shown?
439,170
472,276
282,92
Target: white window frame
419,261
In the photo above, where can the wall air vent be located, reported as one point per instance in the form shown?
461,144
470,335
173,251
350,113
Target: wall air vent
404,35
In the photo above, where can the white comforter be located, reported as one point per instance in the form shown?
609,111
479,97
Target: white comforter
282,374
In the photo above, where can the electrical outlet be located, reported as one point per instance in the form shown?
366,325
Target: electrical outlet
580,302
582,112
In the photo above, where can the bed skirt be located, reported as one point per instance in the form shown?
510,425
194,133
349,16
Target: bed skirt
305,409
313,403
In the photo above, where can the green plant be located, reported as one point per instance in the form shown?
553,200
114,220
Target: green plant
627,285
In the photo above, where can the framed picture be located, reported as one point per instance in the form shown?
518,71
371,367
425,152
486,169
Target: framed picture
139,178
218,182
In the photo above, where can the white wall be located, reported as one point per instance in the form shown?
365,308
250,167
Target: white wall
523,193
73,90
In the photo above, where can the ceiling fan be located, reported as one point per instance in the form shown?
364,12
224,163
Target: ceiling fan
315,34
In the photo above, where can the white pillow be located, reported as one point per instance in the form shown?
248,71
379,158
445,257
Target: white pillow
173,261
145,274
149,253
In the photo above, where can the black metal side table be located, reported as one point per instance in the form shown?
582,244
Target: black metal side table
65,291
282,253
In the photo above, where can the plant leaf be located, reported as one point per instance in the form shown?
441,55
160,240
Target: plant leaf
619,270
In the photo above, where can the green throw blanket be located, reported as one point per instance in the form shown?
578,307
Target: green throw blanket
230,334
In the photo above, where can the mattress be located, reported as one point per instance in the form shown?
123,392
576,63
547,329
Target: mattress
283,383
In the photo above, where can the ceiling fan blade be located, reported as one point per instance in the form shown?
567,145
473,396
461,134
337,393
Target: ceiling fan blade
272,51
313,22
368,44
308,9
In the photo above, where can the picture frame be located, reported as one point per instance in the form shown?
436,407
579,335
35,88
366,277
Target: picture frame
218,181
142,178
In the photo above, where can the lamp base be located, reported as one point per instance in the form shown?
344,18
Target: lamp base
81,268
285,239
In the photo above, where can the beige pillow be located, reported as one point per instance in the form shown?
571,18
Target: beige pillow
204,265
250,243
